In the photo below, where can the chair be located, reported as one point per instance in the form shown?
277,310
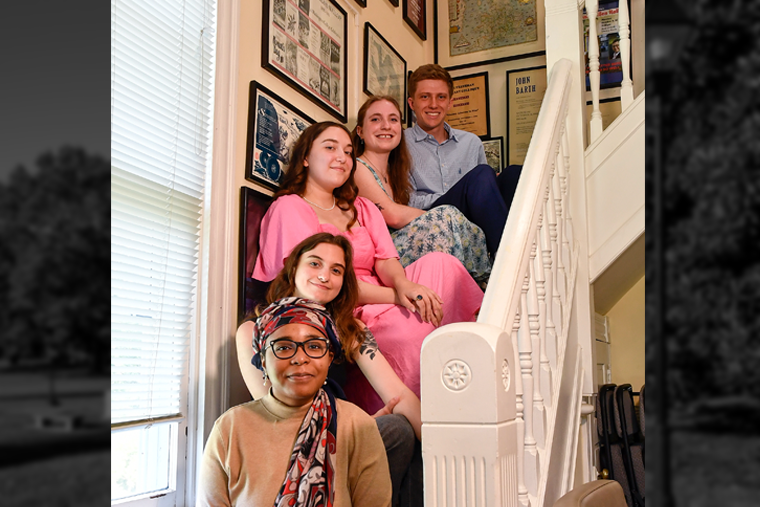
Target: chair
627,429
601,493
611,451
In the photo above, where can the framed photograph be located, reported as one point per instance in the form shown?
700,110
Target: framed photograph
415,15
476,32
495,153
610,109
253,206
470,105
384,68
304,44
525,91
273,127
608,32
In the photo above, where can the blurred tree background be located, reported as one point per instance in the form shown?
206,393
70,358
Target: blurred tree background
711,163
54,256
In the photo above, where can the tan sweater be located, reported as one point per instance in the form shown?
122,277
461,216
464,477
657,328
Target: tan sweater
248,452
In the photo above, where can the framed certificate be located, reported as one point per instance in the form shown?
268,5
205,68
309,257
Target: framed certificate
384,68
478,32
304,44
469,105
273,127
415,15
525,92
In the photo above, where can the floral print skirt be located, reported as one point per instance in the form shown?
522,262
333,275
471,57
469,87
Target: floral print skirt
444,229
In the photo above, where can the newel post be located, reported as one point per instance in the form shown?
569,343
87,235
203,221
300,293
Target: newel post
469,431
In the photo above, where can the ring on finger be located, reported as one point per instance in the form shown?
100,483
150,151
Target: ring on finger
419,297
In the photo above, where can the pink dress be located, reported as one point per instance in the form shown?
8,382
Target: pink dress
398,331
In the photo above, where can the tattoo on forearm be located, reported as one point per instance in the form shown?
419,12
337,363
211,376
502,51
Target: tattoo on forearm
378,206
369,346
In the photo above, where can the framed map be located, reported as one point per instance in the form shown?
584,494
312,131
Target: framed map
304,44
273,127
476,32
384,68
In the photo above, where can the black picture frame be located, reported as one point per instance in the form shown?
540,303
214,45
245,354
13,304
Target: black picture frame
411,118
394,3
472,93
392,80
289,50
253,207
274,124
362,3
490,145
414,13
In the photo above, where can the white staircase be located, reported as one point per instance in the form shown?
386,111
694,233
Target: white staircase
507,401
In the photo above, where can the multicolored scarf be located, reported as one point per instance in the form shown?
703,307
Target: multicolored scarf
310,477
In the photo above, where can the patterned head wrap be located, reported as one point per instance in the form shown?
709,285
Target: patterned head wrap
293,310
310,476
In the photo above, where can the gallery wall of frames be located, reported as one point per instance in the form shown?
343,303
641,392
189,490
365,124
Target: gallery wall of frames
306,61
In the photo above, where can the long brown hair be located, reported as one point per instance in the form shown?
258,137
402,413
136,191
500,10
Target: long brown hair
294,181
399,160
342,307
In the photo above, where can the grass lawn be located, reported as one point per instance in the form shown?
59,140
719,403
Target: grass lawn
81,480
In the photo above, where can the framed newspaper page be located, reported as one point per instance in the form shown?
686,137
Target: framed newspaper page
470,109
608,34
304,44
384,67
525,92
273,127
476,32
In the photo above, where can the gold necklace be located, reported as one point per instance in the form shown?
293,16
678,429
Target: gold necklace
320,207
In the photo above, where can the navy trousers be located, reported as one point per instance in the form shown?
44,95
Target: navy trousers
485,199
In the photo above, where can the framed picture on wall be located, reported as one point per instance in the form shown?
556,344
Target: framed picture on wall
608,34
525,92
304,44
495,153
253,206
384,67
273,127
411,118
415,15
470,109
472,32
394,3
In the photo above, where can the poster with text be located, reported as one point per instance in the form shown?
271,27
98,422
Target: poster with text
525,92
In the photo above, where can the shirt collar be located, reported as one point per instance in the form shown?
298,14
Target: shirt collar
420,135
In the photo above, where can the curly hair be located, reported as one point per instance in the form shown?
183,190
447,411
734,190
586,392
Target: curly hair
399,160
430,71
342,307
294,181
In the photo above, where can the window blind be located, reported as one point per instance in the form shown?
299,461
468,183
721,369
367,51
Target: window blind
162,65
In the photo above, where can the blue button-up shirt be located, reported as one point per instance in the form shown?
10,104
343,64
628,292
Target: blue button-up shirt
437,167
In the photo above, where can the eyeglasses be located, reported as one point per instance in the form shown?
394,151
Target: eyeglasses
285,348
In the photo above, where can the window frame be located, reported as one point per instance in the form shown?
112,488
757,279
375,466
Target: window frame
207,390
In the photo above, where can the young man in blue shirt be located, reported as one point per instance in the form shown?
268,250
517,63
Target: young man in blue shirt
449,165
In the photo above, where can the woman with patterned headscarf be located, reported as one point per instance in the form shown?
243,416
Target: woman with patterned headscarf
297,445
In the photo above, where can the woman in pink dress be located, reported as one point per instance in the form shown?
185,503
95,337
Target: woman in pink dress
400,306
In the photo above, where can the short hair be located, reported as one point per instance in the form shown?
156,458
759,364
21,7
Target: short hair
430,71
